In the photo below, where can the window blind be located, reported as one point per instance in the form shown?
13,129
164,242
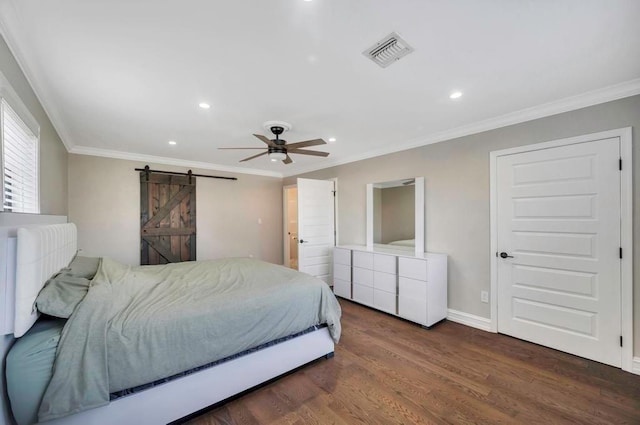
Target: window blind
19,163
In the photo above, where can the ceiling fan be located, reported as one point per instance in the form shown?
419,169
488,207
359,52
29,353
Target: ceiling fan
279,150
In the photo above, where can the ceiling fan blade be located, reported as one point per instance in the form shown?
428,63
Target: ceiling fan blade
254,156
314,142
264,139
240,148
306,152
287,160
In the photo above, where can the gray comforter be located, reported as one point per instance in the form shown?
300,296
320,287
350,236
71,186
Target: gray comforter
140,324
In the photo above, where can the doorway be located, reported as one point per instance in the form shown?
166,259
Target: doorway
560,221
290,209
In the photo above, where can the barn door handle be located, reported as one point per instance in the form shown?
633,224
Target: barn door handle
303,241
505,255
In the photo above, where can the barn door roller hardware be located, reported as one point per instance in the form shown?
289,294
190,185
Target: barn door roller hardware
148,171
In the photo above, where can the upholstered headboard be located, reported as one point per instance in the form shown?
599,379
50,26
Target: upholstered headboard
41,252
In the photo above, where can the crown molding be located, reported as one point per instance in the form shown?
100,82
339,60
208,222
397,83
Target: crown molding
594,97
107,153
9,28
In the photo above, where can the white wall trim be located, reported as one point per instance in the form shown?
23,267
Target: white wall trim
626,241
335,215
106,153
636,366
468,319
594,97
626,227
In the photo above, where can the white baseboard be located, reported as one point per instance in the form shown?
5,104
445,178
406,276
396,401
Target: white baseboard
467,319
484,324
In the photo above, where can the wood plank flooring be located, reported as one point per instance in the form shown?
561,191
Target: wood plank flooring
388,371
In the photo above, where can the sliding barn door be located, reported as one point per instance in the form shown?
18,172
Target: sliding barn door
167,218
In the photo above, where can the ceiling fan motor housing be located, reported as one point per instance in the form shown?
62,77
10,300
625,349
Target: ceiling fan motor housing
279,149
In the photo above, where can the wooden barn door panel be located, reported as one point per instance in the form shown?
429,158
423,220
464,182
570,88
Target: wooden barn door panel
167,218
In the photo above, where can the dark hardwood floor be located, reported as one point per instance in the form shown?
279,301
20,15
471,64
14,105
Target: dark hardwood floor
388,371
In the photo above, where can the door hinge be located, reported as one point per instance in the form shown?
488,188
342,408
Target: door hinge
620,164
334,193
620,252
620,340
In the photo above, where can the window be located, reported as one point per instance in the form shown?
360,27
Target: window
19,163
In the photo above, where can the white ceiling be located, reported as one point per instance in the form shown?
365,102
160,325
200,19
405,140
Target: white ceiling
127,76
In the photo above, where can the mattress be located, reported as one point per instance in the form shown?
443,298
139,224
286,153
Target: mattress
30,362
29,366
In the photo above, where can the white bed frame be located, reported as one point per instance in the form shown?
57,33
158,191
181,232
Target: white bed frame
183,396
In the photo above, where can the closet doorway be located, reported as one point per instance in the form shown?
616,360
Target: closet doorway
290,209
309,226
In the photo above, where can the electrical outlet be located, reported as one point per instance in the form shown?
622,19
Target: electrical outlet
484,296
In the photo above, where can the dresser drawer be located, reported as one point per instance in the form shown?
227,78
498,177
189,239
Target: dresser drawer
342,256
384,263
384,282
342,288
412,288
412,309
363,259
384,301
363,294
413,268
342,272
362,276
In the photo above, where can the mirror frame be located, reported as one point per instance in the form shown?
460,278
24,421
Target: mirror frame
419,215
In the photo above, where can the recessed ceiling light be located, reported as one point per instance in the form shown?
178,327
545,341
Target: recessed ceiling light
332,139
204,105
455,95
173,142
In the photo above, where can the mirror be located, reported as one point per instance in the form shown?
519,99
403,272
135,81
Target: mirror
395,214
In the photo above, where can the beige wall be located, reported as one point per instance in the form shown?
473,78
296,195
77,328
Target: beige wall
457,193
104,202
53,154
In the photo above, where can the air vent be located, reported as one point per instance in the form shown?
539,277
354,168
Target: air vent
388,50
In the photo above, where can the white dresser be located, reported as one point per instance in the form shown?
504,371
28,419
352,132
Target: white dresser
398,282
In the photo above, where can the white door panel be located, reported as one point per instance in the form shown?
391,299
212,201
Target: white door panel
316,227
558,215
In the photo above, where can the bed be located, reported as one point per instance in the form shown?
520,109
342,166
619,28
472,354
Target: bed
216,327
404,243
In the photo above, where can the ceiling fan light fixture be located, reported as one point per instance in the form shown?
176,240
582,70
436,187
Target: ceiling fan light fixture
277,156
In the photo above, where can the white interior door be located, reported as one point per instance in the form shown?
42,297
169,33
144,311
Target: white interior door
316,227
558,216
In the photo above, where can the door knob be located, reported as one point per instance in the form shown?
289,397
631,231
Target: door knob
505,255
303,241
